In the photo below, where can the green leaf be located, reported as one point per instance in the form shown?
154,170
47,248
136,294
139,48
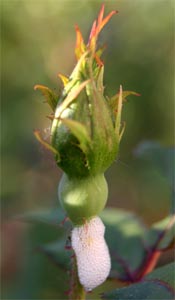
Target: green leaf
163,158
50,96
36,274
79,131
165,273
133,246
57,253
161,234
50,217
124,232
158,285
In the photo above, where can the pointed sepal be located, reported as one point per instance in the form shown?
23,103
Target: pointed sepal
46,144
122,131
70,98
113,102
63,78
50,96
80,132
98,26
100,86
118,116
80,47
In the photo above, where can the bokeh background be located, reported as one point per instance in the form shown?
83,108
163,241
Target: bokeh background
38,40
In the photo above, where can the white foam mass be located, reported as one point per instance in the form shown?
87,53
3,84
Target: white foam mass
92,254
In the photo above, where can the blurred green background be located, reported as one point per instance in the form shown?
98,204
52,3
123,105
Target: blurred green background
38,40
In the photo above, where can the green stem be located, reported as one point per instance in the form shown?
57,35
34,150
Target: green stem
77,291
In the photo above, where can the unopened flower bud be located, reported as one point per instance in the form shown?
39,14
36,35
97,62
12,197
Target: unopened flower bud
86,123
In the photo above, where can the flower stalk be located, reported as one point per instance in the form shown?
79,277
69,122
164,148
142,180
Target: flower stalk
76,291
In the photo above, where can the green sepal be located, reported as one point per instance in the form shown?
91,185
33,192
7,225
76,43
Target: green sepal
70,98
76,75
47,145
100,86
100,51
63,78
113,102
122,130
118,115
105,141
50,96
80,132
